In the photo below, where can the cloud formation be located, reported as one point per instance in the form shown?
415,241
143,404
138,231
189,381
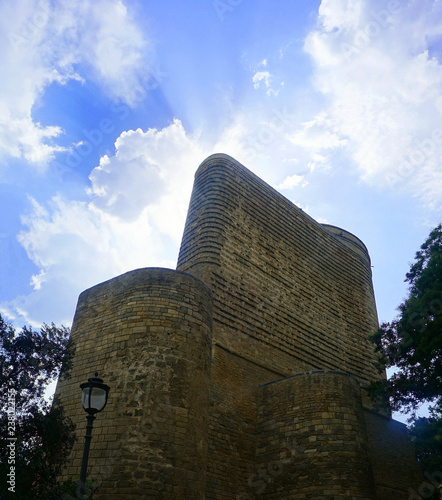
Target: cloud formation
54,42
137,206
291,181
376,65
376,108
261,77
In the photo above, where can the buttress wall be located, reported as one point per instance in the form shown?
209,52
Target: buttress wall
312,440
289,294
148,333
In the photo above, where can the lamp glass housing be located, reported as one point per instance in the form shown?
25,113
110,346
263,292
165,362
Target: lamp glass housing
94,395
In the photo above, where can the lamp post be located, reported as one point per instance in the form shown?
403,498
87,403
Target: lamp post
94,399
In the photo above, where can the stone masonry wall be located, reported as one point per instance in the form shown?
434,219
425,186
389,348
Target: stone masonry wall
312,441
232,423
289,296
272,409
148,334
289,293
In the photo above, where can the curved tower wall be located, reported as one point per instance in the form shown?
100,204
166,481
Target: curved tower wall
148,334
350,240
290,294
312,441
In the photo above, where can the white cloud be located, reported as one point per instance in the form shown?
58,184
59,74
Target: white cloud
47,42
136,212
38,279
336,14
264,78
21,137
317,134
261,77
383,85
235,140
260,140
318,162
292,181
153,170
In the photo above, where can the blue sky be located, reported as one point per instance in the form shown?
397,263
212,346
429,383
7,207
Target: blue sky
108,107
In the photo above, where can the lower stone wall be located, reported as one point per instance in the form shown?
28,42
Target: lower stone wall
188,420
148,334
312,442
305,437
395,469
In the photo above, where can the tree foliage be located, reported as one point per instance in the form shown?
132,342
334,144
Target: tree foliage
427,436
413,341
36,436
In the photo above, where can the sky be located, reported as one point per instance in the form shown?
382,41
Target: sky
109,106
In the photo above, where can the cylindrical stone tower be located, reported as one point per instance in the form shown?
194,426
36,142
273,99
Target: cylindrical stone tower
312,441
148,334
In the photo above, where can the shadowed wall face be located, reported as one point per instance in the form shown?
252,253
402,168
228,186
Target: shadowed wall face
289,294
312,439
148,334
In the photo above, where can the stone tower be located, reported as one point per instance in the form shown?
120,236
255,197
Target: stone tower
241,374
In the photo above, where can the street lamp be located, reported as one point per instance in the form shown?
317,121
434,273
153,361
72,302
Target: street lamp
94,399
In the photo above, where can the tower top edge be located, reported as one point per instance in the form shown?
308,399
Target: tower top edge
156,273
348,239
218,158
342,235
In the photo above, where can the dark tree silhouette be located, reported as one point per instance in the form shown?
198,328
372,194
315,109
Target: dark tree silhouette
413,344
36,436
